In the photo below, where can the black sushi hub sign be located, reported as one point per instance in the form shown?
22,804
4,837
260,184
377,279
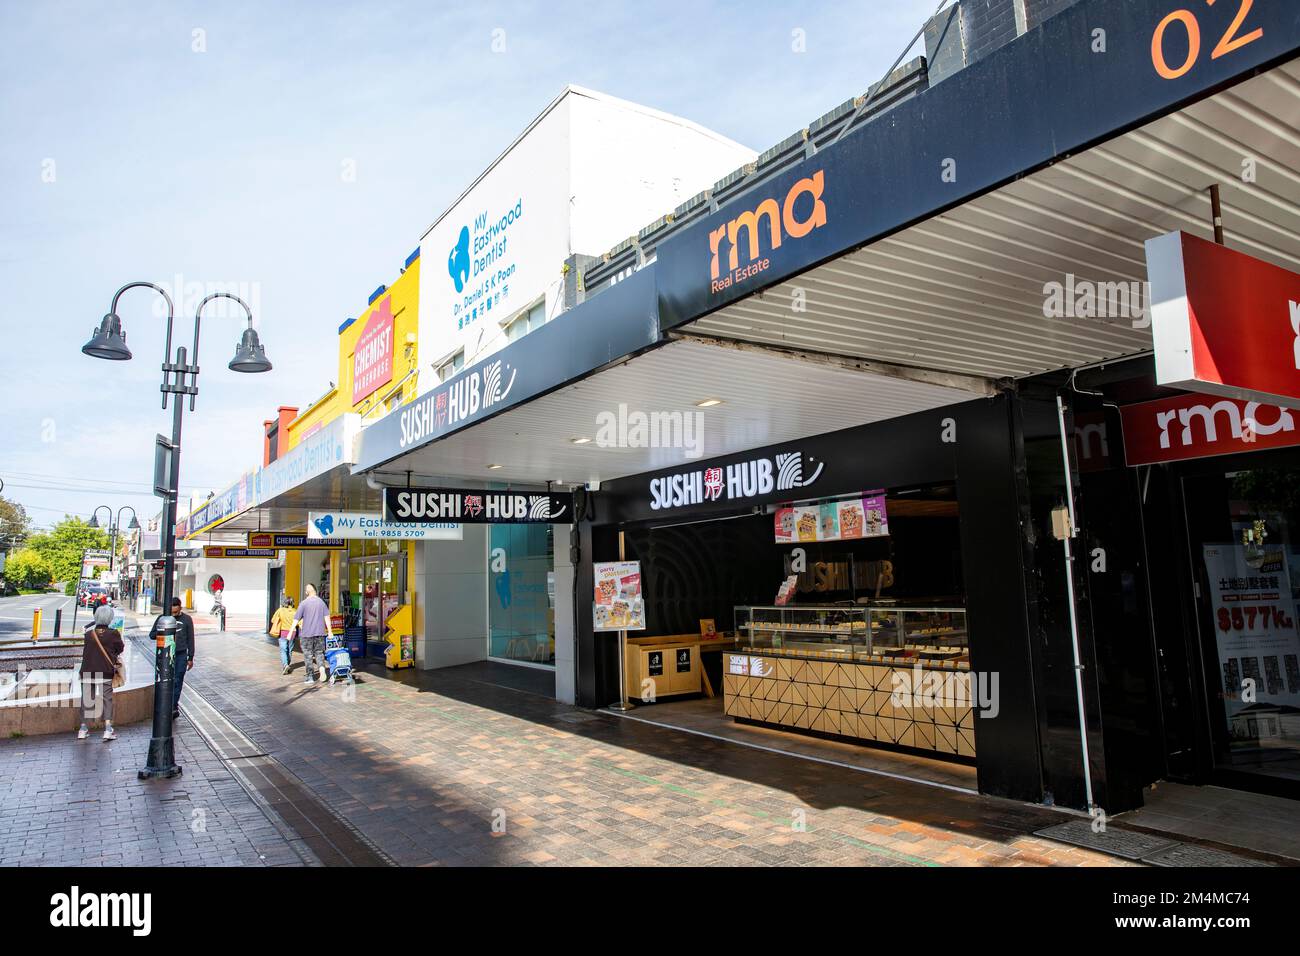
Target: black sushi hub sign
474,506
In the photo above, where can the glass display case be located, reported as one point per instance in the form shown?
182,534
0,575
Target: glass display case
914,634
832,631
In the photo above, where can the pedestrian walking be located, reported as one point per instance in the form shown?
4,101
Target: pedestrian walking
313,621
282,627
100,672
184,652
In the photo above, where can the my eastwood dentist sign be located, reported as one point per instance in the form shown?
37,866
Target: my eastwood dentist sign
404,505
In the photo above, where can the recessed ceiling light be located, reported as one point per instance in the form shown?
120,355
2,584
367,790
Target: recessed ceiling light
708,403
494,467
580,440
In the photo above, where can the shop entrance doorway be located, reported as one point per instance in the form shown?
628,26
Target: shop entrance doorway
1243,527
274,591
377,584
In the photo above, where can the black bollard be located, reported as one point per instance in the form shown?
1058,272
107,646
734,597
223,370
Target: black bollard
58,621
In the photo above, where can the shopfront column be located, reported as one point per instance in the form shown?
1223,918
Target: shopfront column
565,632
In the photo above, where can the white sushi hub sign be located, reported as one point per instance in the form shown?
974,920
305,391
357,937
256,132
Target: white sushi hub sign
756,478
474,506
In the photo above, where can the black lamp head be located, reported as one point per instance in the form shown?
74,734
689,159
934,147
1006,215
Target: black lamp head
133,525
250,356
109,341
94,522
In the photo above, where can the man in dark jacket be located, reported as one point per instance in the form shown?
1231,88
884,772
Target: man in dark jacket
184,650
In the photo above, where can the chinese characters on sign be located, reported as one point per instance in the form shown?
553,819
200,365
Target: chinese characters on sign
1254,621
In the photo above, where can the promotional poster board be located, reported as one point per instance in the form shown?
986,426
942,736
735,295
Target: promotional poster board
1254,623
618,602
864,517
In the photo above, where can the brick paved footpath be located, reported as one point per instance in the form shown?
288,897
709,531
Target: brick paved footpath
425,773
69,802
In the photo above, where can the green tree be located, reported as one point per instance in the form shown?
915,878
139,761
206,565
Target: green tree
63,545
27,569
15,526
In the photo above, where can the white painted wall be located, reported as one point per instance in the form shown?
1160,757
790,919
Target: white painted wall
451,600
630,164
245,579
531,177
587,173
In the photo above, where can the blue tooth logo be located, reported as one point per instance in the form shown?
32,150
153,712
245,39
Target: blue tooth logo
458,260
325,525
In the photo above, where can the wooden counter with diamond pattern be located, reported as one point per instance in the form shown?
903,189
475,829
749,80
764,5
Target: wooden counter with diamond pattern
851,699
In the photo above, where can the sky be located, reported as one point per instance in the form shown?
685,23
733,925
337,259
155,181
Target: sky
295,152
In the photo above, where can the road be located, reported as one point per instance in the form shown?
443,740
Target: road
16,615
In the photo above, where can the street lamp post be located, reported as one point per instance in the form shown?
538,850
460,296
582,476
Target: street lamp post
180,379
114,525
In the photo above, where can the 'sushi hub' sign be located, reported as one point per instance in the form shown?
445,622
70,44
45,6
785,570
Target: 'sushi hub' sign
738,481
474,506
459,400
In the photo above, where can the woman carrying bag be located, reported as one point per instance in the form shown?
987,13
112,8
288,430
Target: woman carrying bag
282,627
101,671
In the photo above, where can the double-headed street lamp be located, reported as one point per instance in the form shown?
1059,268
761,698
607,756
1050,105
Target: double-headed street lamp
179,379
114,525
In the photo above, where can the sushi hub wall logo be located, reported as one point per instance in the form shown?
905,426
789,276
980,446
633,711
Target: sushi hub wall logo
736,482
459,400
799,213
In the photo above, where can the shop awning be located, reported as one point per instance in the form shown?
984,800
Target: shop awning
766,398
965,291
316,474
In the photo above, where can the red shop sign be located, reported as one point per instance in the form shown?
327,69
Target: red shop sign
1224,323
1198,426
372,359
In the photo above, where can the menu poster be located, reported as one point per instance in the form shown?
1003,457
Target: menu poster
784,525
877,518
828,526
619,605
708,628
864,517
806,521
1254,624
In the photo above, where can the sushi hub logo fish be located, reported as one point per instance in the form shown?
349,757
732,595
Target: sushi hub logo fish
755,478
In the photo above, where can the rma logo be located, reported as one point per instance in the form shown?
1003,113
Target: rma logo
1242,427
77,909
777,222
